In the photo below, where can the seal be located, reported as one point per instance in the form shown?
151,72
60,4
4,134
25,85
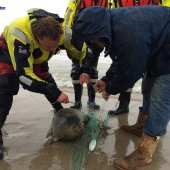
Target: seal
67,124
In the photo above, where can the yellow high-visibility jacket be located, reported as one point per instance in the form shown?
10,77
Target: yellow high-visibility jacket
164,2
26,52
73,7
20,31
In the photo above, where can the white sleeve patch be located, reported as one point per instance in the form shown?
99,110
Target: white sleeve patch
129,90
89,50
25,80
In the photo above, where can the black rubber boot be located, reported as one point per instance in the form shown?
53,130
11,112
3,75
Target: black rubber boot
92,94
78,90
5,105
1,146
77,105
2,121
124,100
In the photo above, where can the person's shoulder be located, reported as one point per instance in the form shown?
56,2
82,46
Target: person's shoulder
20,21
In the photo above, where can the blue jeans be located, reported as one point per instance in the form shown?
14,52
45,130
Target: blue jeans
158,106
147,84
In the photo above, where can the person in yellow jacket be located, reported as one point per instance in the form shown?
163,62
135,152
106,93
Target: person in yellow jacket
26,46
74,7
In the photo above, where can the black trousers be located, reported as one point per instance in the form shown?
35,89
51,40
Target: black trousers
8,87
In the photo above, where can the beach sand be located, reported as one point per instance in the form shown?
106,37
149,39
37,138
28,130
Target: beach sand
30,119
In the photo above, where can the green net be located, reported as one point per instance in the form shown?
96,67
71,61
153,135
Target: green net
83,146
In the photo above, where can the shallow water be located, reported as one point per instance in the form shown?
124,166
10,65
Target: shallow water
30,119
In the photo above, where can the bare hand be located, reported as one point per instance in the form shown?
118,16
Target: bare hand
105,95
63,98
84,78
99,86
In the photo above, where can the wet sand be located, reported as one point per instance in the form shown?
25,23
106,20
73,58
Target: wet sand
29,121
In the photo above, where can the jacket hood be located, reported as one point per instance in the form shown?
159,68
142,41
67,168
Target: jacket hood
92,23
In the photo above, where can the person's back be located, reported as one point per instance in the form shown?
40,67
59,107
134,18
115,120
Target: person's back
124,97
136,51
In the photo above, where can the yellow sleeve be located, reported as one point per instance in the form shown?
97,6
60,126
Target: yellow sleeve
71,11
115,4
21,55
165,2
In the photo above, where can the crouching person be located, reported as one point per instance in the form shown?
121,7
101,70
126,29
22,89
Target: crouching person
26,45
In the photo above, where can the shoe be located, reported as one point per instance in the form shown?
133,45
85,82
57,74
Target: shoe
77,105
137,128
1,152
124,100
93,105
118,111
141,156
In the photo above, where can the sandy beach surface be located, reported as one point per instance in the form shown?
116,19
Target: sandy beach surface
30,118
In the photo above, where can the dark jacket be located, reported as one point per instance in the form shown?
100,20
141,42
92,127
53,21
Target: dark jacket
138,41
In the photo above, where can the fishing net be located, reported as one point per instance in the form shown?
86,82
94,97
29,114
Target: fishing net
84,145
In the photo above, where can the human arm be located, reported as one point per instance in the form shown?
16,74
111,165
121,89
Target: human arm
21,51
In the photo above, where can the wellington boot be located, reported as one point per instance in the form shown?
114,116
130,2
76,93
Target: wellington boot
78,90
93,105
92,95
1,146
77,105
141,156
137,128
1,152
118,111
124,100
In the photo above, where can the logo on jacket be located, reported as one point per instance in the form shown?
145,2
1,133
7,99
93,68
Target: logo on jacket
2,8
22,50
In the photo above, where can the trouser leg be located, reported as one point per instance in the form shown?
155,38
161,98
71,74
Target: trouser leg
93,78
124,100
137,128
5,106
147,85
78,90
92,94
159,107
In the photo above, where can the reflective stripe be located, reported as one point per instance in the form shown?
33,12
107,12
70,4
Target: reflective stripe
20,34
67,40
89,50
78,82
68,16
75,81
26,80
129,90
93,80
